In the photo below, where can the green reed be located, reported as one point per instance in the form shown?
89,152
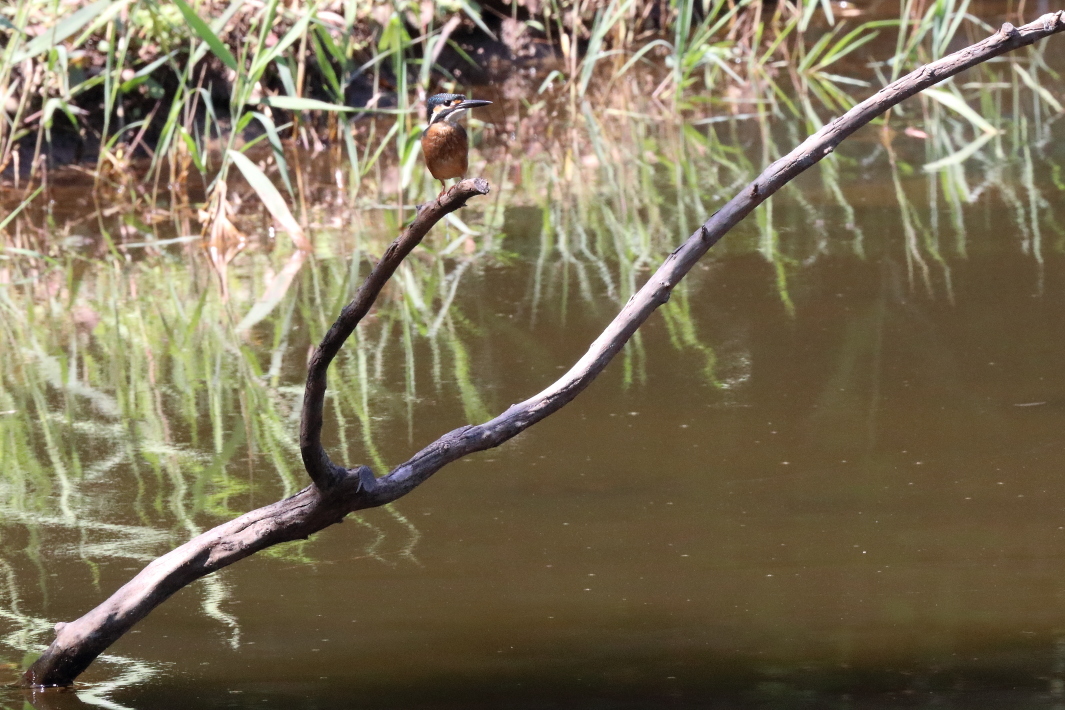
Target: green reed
287,53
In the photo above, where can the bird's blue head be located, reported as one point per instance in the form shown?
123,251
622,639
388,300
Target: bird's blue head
449,107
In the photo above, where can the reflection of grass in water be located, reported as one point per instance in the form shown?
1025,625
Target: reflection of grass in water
141,358
770,250
1035,202
163,363
28,633
683,335
472,405
913,252
646,183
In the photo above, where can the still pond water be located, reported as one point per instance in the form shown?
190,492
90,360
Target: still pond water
827,475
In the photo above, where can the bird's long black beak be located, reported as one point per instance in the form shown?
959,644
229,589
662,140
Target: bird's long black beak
472,103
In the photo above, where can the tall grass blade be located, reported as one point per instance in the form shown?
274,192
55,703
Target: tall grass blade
270,197
295,103
604,22
277,289
279,150
851,41
956,104
259,64
1037,88
42,43
639,55
22,205
207,35
961,155
325,65
220,22
142,74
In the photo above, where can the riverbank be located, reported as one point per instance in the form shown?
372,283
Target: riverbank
101,82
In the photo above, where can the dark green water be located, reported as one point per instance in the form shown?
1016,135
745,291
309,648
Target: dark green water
829,476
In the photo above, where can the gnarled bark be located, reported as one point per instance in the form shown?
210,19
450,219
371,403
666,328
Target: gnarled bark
338,491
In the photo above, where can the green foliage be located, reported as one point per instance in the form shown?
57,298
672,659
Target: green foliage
207,35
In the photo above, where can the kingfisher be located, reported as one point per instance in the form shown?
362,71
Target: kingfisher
444,141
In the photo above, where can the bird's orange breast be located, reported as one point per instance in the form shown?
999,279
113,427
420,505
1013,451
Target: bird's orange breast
445,147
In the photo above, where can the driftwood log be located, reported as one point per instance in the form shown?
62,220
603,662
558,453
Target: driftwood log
337,491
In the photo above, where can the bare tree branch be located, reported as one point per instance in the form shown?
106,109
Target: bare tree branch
338,491
519,417
322,471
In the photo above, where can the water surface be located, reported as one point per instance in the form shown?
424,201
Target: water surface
826,474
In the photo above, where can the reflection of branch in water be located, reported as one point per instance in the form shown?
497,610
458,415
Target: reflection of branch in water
129,673
373,549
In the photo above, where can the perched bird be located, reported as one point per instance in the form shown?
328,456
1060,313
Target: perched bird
444,142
